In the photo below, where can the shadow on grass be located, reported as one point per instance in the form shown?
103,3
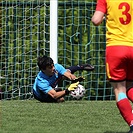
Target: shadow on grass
114,132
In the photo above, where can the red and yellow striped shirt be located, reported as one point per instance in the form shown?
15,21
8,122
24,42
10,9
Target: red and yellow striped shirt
119,23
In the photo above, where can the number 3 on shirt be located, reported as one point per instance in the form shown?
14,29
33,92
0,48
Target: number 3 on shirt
126,6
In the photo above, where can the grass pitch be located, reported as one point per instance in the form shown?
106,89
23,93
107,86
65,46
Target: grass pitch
31,116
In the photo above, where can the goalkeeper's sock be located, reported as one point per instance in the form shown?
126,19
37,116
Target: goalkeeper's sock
86,67
126,110
130,94
73,69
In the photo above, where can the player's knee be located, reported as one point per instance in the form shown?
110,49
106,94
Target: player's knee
121,96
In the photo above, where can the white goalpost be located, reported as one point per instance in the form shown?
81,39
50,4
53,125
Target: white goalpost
53,29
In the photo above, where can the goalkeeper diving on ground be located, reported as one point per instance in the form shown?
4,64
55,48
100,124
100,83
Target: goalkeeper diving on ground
50,74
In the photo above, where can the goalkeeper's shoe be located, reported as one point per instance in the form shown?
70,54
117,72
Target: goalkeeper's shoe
131,129
86,67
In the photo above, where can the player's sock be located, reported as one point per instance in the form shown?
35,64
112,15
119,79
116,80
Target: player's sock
73,69
86,67
125,108
130,94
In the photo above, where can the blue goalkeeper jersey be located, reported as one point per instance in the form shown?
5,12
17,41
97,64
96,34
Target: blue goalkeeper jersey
43,83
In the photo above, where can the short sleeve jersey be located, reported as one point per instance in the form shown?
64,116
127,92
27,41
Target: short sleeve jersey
46,83
119,22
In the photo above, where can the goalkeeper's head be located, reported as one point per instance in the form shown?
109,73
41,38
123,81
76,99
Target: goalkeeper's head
44,62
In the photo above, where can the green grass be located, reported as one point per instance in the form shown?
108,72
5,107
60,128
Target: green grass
31,116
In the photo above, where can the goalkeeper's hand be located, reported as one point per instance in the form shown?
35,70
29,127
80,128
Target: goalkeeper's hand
79,79
71,87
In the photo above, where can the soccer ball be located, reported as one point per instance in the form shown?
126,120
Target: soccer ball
79,92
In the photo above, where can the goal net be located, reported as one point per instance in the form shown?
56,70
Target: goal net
80,42
25,34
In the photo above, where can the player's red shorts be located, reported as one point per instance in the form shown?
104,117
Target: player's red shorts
119,63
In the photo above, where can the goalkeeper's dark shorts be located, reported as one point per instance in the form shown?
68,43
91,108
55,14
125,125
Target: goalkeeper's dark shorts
119,63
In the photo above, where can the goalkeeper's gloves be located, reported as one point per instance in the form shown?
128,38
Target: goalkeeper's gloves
71,87
78,79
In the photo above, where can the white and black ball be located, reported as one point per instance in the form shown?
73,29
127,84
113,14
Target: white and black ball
79,92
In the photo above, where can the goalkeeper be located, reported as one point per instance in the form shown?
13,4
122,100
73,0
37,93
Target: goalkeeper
44,88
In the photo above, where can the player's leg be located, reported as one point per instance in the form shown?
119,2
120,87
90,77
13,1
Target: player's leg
130,84
117,70
130,97
130,91
82,67
130,78
122,101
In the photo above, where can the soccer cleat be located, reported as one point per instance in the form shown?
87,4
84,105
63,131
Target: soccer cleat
86,67
131,129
